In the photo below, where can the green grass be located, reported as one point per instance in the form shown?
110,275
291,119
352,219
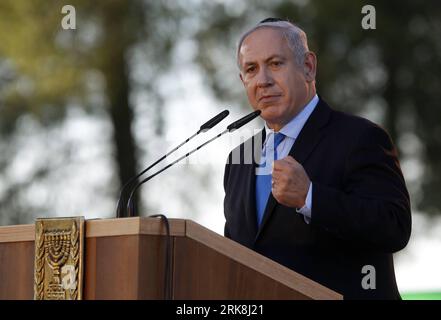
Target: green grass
421,296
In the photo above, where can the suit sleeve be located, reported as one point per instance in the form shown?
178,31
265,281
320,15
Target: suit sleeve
226,176
373,208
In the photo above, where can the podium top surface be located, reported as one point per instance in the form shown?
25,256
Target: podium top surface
102,228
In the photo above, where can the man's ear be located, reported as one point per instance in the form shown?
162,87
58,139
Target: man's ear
241,78
310,66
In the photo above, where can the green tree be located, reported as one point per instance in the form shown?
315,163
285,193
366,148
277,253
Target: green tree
45,69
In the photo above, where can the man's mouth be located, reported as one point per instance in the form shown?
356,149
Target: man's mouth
269,98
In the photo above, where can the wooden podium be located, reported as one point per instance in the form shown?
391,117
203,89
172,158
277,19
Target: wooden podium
125,259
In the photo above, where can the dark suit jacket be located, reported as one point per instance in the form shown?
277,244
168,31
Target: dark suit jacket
360,206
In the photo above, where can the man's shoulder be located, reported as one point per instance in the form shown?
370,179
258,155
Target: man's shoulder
352,131
350,125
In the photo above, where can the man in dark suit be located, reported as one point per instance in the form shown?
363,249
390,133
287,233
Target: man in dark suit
325,196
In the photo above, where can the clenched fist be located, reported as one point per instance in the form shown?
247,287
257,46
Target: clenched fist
290,183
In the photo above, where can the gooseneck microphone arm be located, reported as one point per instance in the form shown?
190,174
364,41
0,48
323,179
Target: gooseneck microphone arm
205,127
233,126
121,199
130,208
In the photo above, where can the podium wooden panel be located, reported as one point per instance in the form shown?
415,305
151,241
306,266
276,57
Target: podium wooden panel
125,259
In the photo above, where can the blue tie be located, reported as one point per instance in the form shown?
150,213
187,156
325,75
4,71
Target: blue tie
263,181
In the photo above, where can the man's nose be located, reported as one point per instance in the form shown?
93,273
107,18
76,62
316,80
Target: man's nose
264,78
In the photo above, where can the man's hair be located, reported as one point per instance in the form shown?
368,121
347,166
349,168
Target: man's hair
294,36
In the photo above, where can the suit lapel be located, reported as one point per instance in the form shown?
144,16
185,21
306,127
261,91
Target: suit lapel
250,200
308,138
250,182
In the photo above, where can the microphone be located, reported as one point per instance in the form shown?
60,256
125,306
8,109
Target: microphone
214,121
233,126
204,128
243,121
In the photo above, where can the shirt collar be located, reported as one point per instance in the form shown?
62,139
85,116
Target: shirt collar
294,126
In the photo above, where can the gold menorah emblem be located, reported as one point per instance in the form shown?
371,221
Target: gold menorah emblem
58,259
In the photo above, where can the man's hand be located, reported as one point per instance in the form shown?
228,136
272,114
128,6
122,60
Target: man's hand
290,182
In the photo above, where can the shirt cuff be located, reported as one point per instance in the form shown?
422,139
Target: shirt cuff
307,208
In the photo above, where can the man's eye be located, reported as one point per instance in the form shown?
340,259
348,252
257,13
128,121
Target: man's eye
250,69
276,63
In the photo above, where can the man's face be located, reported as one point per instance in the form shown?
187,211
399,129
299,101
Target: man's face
274,83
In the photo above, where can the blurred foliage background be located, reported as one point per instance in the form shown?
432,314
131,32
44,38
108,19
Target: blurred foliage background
120,49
